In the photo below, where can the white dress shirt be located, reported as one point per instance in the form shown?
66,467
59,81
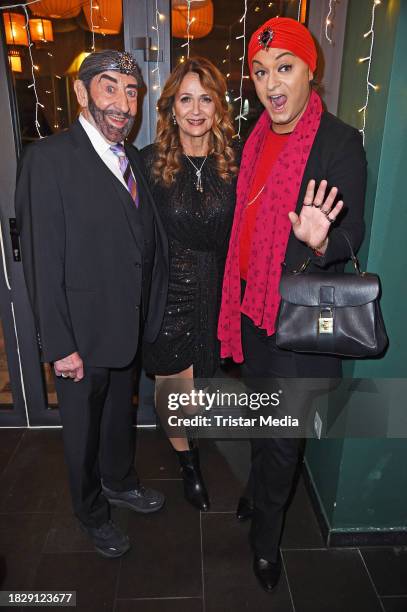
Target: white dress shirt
102,148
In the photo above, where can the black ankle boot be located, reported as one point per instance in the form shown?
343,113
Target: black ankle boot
194,486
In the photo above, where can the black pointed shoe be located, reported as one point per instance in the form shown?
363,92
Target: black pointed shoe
108,539
244,510
267,572
194,487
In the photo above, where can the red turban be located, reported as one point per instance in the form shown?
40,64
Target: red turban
284,33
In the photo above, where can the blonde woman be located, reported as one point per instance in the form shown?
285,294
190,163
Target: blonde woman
192,169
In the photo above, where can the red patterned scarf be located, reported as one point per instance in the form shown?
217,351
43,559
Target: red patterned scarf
271,231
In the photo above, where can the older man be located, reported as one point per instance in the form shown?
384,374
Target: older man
95,262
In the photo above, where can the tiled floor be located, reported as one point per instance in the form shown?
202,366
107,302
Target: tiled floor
180,561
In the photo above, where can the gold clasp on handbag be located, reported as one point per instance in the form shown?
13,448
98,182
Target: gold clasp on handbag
326,321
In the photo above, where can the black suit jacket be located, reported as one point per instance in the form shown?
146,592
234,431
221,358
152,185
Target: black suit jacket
91,259
338,156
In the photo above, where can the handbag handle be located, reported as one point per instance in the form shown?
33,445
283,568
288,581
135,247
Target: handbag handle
353,256
355,260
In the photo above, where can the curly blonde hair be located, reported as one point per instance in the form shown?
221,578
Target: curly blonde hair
168,145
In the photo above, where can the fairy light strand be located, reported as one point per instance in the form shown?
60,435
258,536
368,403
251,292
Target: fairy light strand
369,84
156,69
34,82
328,21
187,44
92,25
12,6
189,23
243,60
188,27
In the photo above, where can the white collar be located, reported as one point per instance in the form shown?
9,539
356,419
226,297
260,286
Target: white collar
100,144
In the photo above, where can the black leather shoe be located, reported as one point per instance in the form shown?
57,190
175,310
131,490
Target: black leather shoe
267,572
244,510
140,499
109,540
194,487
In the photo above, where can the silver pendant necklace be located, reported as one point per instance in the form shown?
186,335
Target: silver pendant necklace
198,172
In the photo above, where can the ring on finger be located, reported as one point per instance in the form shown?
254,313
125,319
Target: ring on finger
64,375
326,213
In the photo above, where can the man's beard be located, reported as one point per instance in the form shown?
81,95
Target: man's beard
111,133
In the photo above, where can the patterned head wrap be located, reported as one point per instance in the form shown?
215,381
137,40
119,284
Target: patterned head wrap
102,61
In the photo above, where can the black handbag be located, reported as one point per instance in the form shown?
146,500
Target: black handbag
331,313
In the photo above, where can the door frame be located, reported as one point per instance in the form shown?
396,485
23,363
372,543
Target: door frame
25,369
18,325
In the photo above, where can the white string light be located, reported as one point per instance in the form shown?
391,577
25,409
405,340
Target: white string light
187,44
34,67
156,71
12,6
369,84
189,23
228,48
34,82
92,26
328,21
242,75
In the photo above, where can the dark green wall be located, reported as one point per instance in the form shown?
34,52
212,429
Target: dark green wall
386,199
362,484
372,486
324,459
353,84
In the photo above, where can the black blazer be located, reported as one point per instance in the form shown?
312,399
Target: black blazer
338,156
89,256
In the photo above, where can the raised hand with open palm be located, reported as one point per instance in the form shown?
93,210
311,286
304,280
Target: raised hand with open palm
316,216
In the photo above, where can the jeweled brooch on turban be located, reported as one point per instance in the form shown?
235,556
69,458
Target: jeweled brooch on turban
265,37
126,63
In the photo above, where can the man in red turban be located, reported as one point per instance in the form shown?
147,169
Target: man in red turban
300,168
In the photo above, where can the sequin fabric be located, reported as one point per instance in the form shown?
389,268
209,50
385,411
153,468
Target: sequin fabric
198,228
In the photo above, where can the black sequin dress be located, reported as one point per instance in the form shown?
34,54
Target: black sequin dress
198,227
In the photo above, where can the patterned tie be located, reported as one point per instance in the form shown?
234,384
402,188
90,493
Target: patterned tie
118,149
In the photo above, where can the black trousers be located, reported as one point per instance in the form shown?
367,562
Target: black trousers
275,460
99,439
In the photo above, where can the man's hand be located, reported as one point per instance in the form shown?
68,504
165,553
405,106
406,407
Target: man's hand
316,216
70,367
